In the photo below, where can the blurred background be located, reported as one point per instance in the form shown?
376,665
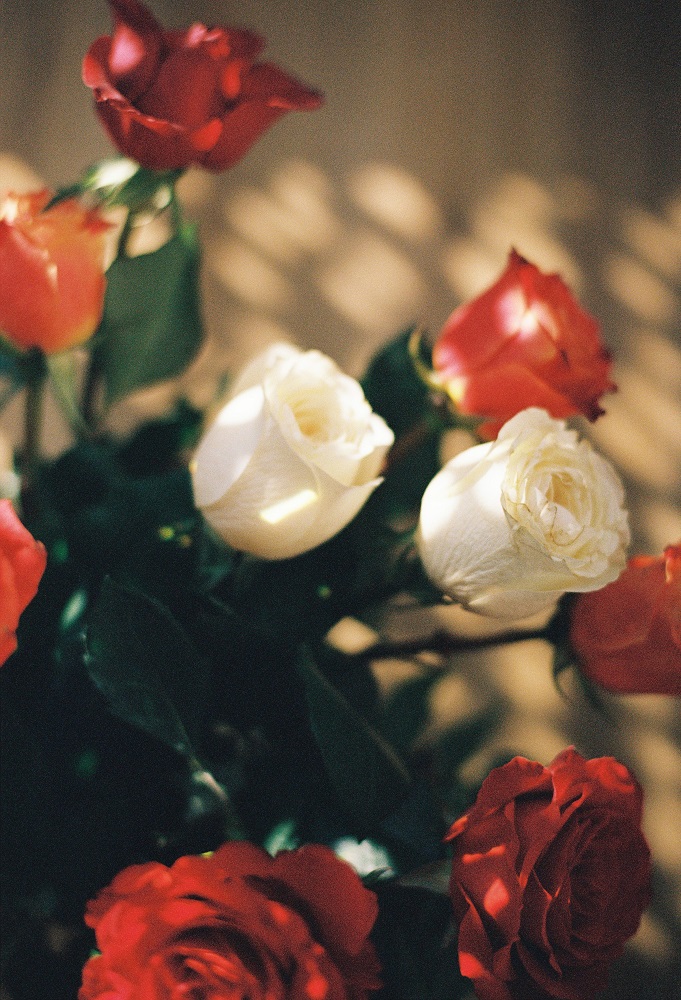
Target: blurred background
451,132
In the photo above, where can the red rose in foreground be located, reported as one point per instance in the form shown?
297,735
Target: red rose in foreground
51,271
627,636
22,564
524,342
236,924
550,876
172,98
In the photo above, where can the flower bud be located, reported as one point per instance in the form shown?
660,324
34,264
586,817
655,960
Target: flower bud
51,271
169,99
523,342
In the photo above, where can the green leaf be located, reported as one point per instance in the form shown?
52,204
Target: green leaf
393,386
119,181
145,666
397,392
64,193
407,710
282,837
152,327
367,775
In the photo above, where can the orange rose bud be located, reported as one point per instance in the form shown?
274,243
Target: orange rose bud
51,271
523,342
627,636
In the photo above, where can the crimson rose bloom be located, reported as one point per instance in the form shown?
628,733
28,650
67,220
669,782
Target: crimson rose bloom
238,923
22,564
550,876
52,280
627,636
524,342
172,98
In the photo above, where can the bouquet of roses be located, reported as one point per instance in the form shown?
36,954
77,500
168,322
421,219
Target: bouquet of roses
193,758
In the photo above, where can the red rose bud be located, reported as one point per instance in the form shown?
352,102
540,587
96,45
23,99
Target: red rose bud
51,271
550,876
627,636
172,98
238,923
22,564
524,342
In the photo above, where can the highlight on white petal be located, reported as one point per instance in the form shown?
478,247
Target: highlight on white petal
227,446
241,409
279,511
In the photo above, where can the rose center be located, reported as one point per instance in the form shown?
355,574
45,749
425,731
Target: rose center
323,413
564,501
552,502
312,412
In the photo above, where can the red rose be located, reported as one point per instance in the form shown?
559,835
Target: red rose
524,342
627,636
172,98
236,924
550,876
51,271
22,564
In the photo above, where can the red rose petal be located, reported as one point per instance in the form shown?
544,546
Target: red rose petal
185,91
135,51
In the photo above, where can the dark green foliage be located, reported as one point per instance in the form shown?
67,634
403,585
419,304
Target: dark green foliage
396,391
146,668
151,328
365,772
393,386
416,943
170,693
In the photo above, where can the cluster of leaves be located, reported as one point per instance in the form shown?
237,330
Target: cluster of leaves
169,693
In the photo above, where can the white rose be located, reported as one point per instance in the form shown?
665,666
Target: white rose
508,527
292,456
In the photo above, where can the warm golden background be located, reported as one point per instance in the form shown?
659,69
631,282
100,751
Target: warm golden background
452,131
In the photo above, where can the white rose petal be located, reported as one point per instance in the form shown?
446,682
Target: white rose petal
506,528
291,458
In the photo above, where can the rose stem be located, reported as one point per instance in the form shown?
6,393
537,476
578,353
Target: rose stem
443,642
34,367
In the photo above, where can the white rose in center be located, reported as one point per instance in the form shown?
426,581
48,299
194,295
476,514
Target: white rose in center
291,458
506,528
